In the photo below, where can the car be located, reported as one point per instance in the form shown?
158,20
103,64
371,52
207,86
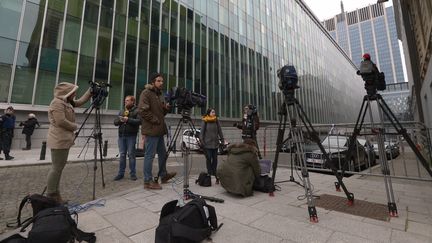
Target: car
391,148
370,150
336,148
191,141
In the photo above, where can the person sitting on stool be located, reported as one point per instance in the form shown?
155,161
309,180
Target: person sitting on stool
237,174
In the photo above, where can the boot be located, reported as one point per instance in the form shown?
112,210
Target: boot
8,157
56,197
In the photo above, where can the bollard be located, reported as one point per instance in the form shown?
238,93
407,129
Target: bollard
105,148
43,151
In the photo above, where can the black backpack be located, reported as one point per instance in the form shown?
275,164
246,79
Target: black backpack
193,222
204,179
52,222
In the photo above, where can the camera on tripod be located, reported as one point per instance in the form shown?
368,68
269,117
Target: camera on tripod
99,92
374,80
288,79
185,99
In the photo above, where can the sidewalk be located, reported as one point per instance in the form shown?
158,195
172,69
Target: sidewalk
132,215
31,157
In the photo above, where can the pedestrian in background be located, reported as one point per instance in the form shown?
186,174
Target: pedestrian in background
7,131
152,109
128,122
28,128
61,135
211,133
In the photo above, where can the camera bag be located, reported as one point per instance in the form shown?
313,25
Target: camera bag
193,222
204,179
264,184
381,83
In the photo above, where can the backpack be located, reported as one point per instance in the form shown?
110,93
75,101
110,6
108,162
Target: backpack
204,179
193,222
51,222
264,184
366,67
56,225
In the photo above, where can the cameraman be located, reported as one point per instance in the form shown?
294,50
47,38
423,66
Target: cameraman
369,72
249,124
61,137
152,109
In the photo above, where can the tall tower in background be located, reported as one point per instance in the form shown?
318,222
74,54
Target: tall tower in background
372,30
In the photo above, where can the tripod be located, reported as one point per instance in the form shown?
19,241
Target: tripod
297,135
383,109
186,119
97,136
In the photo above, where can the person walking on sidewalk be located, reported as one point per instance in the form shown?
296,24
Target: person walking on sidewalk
128,123
61,135
29,126
153,109
211,133
7,131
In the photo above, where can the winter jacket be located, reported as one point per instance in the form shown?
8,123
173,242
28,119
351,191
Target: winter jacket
8,121
152,111
29,126
130,128
237,174
61,115
211,132
249,128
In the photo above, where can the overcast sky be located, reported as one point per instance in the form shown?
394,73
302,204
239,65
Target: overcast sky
325,9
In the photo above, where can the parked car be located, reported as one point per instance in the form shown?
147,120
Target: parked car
336,147
191,141
391,148
370,150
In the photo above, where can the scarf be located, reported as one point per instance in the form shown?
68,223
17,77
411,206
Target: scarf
207,118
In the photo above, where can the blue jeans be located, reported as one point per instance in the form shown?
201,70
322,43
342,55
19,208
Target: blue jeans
211,159
154,145
127,145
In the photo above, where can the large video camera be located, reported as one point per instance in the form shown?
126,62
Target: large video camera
99,92
185,99
374,80
287,79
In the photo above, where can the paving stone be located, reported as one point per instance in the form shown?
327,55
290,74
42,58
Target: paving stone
111,234
398,236
238,212
133,220
348,238
420,228
115,205
91,221
147,236
287,228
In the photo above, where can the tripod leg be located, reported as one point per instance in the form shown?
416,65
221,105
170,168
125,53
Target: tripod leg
314,137
387,177
281,131
396,124
298,138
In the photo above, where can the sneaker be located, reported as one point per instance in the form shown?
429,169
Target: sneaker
151,185
133,177
118,177
1,158
9,158
168,176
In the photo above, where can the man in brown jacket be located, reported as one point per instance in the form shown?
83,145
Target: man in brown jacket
153,109
61,132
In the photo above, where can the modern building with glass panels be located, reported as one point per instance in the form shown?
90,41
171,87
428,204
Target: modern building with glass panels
228,50
372,30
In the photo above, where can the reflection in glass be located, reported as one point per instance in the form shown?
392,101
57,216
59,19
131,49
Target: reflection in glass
10,12
6,58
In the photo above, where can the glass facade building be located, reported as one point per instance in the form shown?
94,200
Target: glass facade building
372,30
227,50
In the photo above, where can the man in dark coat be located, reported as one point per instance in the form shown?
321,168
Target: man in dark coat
237,174
152,110
7,131
249,124
29,126
128,122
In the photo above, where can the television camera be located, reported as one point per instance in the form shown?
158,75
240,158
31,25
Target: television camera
185,99
288,79
374,79
99,92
